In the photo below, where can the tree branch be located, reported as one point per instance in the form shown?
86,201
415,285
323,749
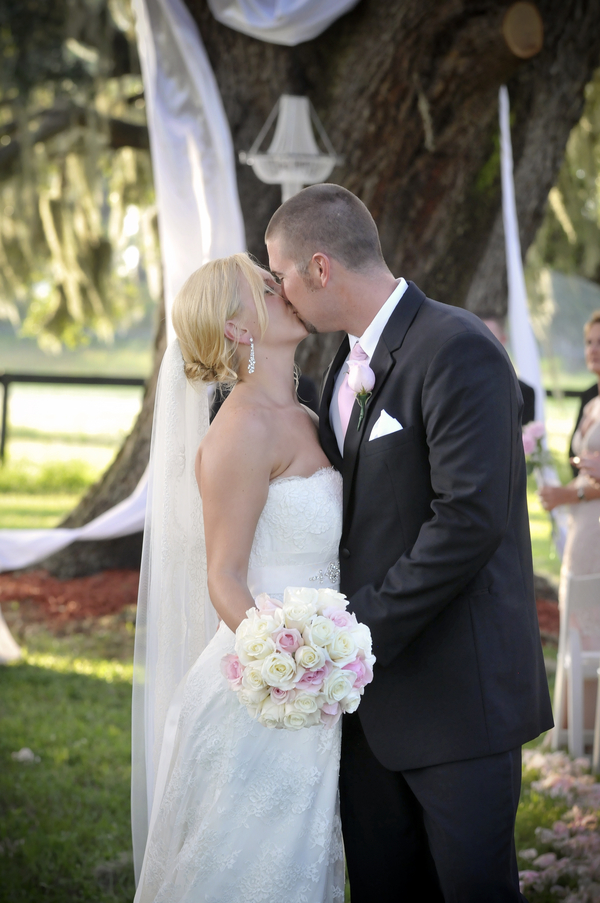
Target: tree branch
59,120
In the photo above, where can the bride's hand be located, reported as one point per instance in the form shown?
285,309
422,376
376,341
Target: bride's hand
552,496
588,464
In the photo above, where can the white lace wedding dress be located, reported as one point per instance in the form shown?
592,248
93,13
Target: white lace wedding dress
247,814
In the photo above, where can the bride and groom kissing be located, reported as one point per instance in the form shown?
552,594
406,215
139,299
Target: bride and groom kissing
410,497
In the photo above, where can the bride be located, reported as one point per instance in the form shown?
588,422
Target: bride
224,809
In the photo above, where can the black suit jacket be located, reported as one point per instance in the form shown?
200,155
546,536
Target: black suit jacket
528,393
435,553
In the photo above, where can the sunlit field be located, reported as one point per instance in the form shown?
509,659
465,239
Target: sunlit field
61,439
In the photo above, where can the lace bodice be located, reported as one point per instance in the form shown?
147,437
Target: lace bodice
298,533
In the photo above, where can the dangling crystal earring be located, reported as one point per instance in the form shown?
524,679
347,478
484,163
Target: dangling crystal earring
252,359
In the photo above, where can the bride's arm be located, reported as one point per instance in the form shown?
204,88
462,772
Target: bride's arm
233,471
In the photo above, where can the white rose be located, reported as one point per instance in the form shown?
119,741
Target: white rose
343,648
294,720
271,715
245,626
299,606
252,698
279,670
320,632
337,685
311,658
305,703
362,638
329,598
251,648
265,623
350,702
300,594
252,678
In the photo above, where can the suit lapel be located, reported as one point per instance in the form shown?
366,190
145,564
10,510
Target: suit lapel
382,364
326,434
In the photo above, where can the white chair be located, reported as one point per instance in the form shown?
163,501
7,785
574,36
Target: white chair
578,658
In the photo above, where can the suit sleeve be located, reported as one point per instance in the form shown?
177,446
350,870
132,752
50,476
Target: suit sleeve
471,414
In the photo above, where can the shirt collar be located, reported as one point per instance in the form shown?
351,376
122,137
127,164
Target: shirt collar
370,337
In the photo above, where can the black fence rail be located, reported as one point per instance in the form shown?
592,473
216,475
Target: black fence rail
7,378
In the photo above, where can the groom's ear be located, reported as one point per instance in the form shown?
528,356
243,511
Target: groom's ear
321,268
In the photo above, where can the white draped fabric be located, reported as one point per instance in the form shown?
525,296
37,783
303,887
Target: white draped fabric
280,21
522,339
174,618
20,548
199,213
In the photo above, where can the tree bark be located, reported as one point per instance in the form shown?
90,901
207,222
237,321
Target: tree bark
408,93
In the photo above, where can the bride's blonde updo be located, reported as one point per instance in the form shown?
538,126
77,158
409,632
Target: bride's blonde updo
209,298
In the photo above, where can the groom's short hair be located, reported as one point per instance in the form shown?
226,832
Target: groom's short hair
330,219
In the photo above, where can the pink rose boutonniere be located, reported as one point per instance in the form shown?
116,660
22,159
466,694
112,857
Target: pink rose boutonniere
361,380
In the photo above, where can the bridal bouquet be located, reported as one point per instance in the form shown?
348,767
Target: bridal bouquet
536,456
300,663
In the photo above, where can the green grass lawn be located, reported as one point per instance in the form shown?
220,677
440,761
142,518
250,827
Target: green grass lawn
64,819
19,512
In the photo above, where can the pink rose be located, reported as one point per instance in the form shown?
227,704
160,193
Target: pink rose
312,681
288,639
232,669
330,714
364,674
280,697
529,444
536,429
342,619
360,377
265,603
528,877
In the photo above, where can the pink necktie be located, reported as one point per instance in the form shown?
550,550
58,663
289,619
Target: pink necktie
346,397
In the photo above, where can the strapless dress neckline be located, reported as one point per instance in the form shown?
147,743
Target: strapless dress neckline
327,468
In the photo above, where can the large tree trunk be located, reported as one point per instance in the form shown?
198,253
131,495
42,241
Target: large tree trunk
408,92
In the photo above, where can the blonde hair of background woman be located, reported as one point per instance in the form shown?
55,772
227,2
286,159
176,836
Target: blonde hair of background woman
595,318
208,299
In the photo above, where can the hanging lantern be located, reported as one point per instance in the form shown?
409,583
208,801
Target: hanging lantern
294,158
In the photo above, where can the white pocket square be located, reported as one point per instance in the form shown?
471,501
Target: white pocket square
384,426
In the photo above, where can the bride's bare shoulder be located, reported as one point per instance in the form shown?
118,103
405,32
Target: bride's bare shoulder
238,442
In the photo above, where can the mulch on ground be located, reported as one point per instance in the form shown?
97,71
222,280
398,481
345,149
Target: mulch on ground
548,617
108,592
49,599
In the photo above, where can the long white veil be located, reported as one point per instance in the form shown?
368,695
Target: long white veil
175,619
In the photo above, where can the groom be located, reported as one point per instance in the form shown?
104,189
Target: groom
435,558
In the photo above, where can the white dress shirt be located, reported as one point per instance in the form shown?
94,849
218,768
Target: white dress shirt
368,342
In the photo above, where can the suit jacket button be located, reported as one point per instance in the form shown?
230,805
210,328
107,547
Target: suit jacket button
345,553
